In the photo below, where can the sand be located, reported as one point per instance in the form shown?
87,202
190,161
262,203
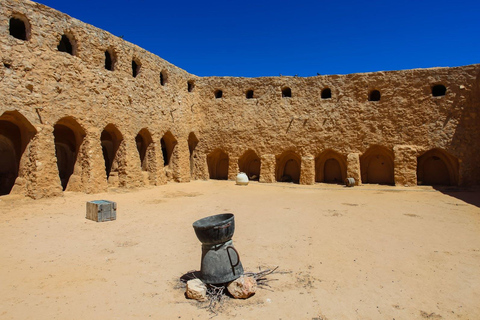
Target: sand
369,252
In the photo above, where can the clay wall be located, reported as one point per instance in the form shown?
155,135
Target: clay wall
110,114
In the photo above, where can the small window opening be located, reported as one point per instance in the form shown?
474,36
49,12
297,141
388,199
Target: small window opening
18,29
65,45
249,94
438,90
326,93
218,94
163,78
108,61
286,93
135,68
374,95
190,86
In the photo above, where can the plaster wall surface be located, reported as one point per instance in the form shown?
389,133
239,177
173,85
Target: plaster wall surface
182,124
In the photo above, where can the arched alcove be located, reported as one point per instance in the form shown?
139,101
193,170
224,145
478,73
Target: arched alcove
68,135
110,59
144,141
437,168
249,163
286,92
288,167
217,162
377,166
326,93
110,140
15,134
67,44
330,167
168,143
439,90
374,95
19,27
192,145
136,65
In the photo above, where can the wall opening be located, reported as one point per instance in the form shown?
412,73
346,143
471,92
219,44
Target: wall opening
192,145
439,90
65,45
190,85
15,134
249,163
374,95
217,162
168,143
288,167
330,167
377,166
326,93
218,94
135,68
68,136
163,77
109,60
286,92
249,94
110,140
437,168
18,28
143,141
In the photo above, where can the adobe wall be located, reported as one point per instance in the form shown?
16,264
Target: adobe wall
55,106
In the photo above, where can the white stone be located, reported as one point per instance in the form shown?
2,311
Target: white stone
243,287
242,179
197,290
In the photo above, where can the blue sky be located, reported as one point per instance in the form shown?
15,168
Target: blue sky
267,38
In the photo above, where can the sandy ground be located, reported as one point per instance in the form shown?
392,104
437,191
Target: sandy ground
370,252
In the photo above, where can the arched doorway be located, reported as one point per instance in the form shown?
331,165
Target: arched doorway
192,145
377,166
168,143
111,139
330,167
15,134
217,162
143,141
68,135
249,163
437,168
288,167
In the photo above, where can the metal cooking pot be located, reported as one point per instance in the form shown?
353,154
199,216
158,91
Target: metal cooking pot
215,229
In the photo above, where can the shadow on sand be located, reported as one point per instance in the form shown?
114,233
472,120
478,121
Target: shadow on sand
470,195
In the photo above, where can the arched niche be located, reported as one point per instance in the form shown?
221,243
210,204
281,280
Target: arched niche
144,141
68,135
110,140
249,163
16,133
192,145
437,168
217,162
168,143
377,166
330,167
288,167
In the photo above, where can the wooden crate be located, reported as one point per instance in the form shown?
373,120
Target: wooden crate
101,210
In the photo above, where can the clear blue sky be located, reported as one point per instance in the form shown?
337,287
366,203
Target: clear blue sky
267,38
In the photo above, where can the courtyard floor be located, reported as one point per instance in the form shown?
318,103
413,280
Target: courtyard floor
368,252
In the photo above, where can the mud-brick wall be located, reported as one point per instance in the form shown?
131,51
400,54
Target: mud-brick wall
71,121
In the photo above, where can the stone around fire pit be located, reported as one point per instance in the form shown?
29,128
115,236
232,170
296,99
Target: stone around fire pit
197,290
243,287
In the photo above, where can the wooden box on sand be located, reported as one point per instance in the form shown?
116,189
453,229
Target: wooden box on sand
101,210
